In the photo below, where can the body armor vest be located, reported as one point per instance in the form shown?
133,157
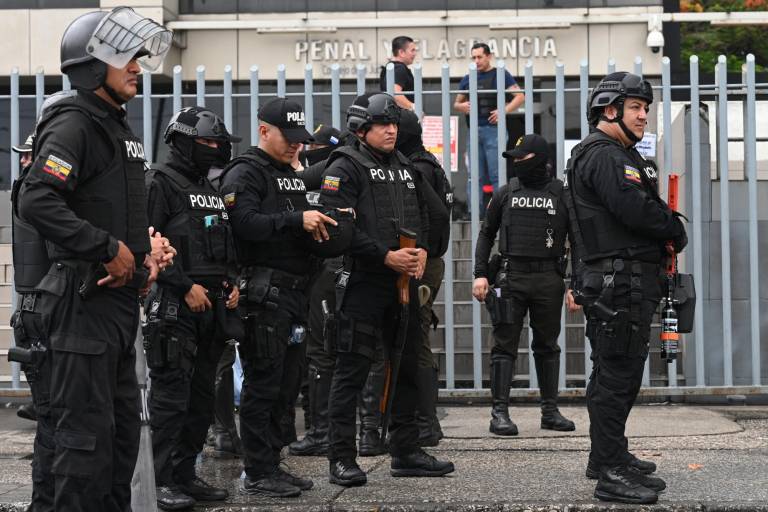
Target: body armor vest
114,199
486,102
534,223
285,251
601,233
393,193
439,235
30,255
201,232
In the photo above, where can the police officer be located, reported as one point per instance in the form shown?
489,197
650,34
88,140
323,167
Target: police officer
533,220
270,217
439,200
623,228
377,182
85,196
188,324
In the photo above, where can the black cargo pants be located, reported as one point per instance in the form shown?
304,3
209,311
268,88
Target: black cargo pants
368,320
181,398
619,349
88,439
263,356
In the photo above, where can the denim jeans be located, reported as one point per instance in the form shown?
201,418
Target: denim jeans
488,162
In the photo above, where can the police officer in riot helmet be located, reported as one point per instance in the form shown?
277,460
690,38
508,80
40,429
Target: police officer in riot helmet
439,201
272,221
84,195
377,182
526,277
623,227
192,308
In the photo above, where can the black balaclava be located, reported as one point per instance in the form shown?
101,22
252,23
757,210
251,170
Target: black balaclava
532,172
198,157
313,156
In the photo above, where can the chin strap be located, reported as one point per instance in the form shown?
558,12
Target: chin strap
620,120
114,94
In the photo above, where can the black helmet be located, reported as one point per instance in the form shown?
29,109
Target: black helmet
97,39
191,123
617,87
372,108
409,133
198,122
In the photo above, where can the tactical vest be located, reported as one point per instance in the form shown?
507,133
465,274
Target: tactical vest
30,255
202,231
114,199
602,235
285,251
393,193
486,102
534,223
439,236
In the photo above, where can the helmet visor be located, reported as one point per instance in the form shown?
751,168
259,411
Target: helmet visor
124,35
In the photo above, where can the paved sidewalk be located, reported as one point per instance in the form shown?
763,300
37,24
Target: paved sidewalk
713,458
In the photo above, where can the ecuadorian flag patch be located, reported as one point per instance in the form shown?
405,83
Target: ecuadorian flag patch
229,200
57,167
331,184
632,174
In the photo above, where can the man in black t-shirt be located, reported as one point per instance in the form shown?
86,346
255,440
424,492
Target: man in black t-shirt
403,55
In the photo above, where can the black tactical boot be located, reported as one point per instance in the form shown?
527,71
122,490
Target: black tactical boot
419,463
271,485
645,467
201,490
315,441
304,484
430,432
370,416
346,472
171,498
624,485
27,412
226,441
548,373
502,370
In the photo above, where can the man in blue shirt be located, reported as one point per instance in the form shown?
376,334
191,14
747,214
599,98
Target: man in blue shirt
488,117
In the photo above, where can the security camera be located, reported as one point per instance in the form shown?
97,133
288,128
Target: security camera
655,41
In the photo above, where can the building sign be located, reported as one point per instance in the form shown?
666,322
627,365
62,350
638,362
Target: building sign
334,50
432,135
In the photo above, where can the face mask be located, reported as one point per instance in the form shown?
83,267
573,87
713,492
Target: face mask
533,171
206,157
314,156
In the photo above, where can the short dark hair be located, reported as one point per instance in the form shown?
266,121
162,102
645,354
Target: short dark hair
400,43
485,47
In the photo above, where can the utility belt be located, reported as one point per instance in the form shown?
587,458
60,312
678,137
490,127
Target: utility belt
614,327
30,341
162,345
512,264
262,285
91,273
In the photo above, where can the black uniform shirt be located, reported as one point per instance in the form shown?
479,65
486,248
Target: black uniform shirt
70,150
246,188
623,182
439,217
403,78
351,190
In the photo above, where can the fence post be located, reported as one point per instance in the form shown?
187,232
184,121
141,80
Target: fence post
390,78
254,105
146,115
583,97
335,97
418,100
309,106
65,83
560,166
360,80
697,241
501,126
445,88
750,166
39,90
281,81
666,101
15,367
200,86
228,98
474,201
176,88
528,97
611,66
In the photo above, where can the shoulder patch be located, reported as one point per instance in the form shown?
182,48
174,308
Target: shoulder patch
57,167
331,183
229,200
632,174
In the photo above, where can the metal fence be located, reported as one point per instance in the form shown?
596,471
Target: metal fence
703,369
